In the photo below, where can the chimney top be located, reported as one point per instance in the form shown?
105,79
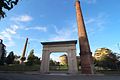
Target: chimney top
77,0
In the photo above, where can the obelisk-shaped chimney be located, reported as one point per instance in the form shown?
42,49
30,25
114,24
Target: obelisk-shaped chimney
85,52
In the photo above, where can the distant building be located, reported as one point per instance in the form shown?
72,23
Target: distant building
63,59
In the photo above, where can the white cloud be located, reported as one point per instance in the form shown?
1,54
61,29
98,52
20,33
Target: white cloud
12,29
11,32
22,18
62,34
90,1
96,24
89,21
74,27
8,33
10,43
93,25
1,37
36,28
5,35
55,57
35,40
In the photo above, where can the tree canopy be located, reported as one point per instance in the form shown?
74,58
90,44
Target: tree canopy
3,53
32,59
6,4
105,58
10,58
101,52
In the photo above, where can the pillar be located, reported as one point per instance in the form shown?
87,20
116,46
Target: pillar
44,68
72,62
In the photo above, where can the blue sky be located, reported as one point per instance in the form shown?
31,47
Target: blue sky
55,20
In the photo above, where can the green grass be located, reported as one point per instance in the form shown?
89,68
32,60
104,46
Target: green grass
23,68
19,68
58,68
108,71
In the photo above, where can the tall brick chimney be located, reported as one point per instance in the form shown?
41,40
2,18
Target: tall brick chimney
85,52
23,54
25,46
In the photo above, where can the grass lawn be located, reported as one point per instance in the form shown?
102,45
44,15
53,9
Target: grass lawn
19,67
59,68
108,71
23,68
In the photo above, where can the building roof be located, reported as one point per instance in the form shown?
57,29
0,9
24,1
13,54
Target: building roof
60,42
64,55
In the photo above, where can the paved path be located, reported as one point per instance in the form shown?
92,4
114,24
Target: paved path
25,76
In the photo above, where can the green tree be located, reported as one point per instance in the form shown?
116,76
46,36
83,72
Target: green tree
6,4
105,58
16,59
52,63
3,52
32,59
37,60
10,58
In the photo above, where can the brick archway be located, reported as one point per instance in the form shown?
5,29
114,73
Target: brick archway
62,46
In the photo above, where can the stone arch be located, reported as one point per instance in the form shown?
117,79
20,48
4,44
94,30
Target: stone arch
62,46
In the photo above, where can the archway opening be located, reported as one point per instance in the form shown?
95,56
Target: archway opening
58,61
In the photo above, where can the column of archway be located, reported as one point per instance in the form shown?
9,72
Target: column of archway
72,62
45,61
